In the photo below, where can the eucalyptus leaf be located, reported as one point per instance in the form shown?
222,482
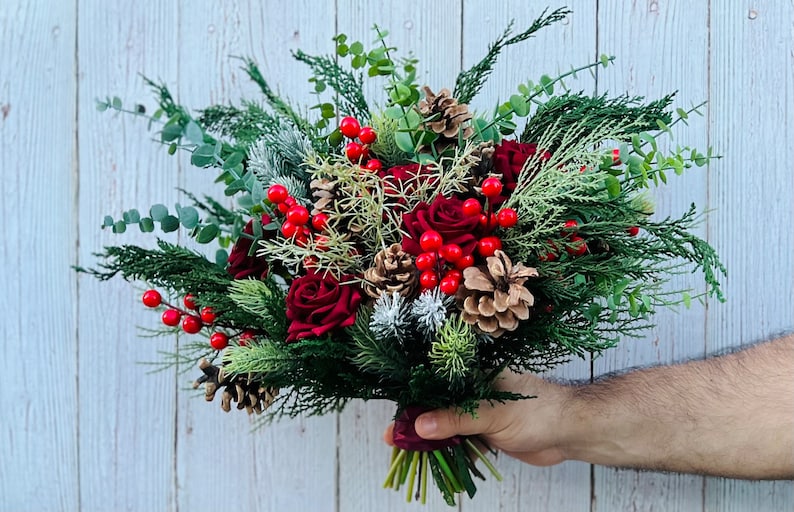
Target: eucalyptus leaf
146,224
158,212
169,223
207,234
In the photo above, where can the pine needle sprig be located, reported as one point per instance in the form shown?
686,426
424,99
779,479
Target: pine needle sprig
275,101
377,355
245,125
454,352
264,299
348,86
627,114
469,82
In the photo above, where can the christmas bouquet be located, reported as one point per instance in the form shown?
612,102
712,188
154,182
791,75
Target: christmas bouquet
412,250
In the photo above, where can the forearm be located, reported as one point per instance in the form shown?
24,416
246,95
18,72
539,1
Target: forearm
730,416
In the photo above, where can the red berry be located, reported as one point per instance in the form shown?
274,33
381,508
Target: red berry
570,225
507,218
431,241
276,194
471,207
152,298
451,252
367,135
354,151
190,301
548,308
488,222
464,262
491,187
633,231
219,341
245,338
288,229
615,156
171,317
488,245
449,285
350,127
549,256
425,261
298,215
374,165
428,279
310,262
207,315
320,221
578,246
191,324
457,274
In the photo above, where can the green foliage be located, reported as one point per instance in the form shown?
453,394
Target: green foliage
245,124
630,114
469,82
349,97
454,353
265,300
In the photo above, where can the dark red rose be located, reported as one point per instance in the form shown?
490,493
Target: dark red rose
509,158
317,303
445,216
242,265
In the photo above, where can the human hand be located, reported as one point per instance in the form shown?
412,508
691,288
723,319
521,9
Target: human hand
533,430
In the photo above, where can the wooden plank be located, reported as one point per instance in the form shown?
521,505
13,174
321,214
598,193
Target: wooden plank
752,93
660,47
289,465
38,422
432,32
126,415
553,51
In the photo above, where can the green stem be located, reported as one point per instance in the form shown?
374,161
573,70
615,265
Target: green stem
412,476
484,460
395,465
455,485
423,478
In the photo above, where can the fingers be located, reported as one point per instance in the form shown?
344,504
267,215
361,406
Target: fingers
388,434
441,424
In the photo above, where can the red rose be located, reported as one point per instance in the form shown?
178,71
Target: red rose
509,158
240,263
445,216
317,303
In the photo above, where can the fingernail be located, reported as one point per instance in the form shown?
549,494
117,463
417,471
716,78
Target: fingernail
426,425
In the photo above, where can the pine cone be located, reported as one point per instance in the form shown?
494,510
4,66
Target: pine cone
493,297
324,194
249,395
393,271
446,115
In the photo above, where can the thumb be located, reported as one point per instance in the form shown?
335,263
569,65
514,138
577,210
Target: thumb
444,423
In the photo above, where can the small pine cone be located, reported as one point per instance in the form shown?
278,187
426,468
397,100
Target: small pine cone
493,297
324,194
447,116
393,271
249,395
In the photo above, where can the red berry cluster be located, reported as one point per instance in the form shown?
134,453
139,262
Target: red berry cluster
358,151
296,216
192,318
441,264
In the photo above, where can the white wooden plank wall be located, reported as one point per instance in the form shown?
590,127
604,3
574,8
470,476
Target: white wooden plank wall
83,427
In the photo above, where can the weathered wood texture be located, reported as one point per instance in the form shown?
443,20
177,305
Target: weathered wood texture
83,427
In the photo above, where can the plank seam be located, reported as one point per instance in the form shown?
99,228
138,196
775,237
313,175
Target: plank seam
76,214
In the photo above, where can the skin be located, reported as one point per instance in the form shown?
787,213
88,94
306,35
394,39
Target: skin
730,416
